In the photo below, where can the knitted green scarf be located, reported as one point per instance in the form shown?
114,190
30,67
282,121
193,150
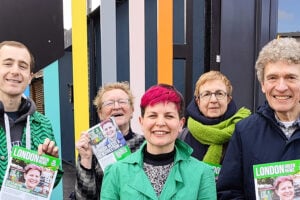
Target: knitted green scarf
215,135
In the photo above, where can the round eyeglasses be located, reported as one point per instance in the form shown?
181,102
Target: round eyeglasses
112,103
219,94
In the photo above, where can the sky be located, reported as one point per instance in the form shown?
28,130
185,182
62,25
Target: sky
67,9
67,14
288,16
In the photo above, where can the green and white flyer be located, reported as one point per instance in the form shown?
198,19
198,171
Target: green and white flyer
108,142
29,175
278,180
216,168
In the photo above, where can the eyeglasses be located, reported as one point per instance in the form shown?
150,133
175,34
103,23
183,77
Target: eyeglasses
111,103
219,94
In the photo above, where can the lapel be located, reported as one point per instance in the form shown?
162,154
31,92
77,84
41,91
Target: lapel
141,186
173,183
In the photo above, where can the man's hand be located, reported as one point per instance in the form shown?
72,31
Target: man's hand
48,148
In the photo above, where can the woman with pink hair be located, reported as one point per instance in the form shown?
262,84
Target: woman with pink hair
163,167
284,187
32,176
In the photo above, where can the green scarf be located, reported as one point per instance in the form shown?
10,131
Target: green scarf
215,135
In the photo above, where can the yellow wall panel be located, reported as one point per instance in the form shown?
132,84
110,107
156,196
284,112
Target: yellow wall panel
80,67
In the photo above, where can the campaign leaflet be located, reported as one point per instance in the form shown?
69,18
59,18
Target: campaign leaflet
29,176
278,180
216,168
108,142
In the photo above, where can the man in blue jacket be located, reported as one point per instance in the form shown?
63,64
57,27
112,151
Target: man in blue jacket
271,134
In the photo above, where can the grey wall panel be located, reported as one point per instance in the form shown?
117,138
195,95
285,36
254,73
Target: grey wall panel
238,48
150,43
246,26
122,37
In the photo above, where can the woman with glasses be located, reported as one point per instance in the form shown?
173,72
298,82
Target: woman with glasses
211,117
163,167
112,100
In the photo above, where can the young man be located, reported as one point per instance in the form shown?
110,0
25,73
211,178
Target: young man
20,123
271,134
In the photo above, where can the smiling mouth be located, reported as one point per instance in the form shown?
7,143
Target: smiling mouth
13,81
282,97
159,132
213,108
117,115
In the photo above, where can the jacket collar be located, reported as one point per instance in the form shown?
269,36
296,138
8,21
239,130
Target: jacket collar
183,152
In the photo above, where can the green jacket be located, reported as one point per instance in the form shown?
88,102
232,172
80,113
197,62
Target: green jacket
41,129
188,179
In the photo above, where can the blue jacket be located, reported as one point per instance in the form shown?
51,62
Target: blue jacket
257,139
188,178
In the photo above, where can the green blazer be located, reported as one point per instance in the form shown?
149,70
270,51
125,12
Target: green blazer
188,178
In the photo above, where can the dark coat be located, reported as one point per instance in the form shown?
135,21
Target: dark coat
256,140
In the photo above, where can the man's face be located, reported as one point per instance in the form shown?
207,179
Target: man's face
282,89
15,74
109,130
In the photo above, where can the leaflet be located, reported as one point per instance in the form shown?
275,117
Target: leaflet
216,168
278,180
29,176
108,142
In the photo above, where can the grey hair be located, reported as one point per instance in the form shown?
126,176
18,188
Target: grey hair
281,49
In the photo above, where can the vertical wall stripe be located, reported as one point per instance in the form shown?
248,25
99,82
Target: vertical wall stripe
165,41
108,40
80,67
150,43
27,92
52,110
137,55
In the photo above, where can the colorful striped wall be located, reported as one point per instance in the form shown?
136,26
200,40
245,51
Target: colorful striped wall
139,72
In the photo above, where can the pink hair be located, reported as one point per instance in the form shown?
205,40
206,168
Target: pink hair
162,93
281,179
32,166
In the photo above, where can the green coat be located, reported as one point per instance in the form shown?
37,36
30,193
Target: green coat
41,129
188,178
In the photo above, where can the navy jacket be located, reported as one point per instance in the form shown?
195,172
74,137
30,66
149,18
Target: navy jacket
257,139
